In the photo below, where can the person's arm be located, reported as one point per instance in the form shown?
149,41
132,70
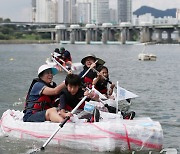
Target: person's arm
111,89
53,91
95,80
62,105
92,95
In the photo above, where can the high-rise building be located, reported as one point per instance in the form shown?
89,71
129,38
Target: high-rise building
100,11
72,11
124,10
83,11
178,14
46,11
62,11
33,10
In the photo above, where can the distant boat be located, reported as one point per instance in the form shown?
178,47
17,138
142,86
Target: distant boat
74,67
146,56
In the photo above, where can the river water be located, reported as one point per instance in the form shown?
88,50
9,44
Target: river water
156,82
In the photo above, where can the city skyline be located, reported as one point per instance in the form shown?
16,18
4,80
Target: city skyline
20,10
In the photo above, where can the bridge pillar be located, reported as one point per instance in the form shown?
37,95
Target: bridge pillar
76,33
129,36
80,35
72,36
58,37
123,36
178,35
66,35
145,35
62,35
60,32
88,36
95,35
169,39
104,36
159,39
92,35
110,35
53,36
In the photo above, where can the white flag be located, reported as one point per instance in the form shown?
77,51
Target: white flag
124,94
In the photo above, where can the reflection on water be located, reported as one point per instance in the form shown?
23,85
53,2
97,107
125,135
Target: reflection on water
156,82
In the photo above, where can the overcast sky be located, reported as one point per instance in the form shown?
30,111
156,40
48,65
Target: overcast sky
20,10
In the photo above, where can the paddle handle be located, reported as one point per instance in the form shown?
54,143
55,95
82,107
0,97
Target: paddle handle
88,70
103,76
79,104
50,138
62,124
65,69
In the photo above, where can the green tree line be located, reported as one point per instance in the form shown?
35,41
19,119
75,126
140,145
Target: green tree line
15,32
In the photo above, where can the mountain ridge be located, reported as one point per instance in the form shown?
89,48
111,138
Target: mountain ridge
155,12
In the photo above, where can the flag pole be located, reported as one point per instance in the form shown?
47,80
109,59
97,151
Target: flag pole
117,97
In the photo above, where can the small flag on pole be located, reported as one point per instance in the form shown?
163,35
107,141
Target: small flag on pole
124,94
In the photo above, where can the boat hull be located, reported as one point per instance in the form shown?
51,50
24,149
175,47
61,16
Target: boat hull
110,134
147,57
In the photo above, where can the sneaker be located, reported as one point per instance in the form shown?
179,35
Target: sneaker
128,115
96,116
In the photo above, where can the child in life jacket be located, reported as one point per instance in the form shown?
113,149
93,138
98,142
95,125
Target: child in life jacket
101,82
41,97
88,74
72,95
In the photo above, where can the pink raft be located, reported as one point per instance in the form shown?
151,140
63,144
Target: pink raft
110,134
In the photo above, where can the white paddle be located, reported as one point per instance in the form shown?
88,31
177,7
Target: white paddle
62,124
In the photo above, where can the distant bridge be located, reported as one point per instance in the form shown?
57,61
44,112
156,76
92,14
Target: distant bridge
106,32
146,32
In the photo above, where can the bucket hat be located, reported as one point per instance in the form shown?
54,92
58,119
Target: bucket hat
62,50
100,61
45,67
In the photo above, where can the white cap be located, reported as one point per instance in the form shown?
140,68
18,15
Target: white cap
45,67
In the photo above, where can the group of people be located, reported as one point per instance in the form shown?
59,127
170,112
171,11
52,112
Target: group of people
47,101
63,56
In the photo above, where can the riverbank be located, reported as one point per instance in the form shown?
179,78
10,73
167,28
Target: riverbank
76,42
26,41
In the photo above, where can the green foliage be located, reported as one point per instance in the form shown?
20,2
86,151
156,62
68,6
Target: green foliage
4,37
45,35
19,32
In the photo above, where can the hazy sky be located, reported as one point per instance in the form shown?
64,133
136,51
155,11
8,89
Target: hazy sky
20,10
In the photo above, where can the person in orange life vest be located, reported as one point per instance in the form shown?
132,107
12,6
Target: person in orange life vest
89,62
72,95
101,82
40,99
